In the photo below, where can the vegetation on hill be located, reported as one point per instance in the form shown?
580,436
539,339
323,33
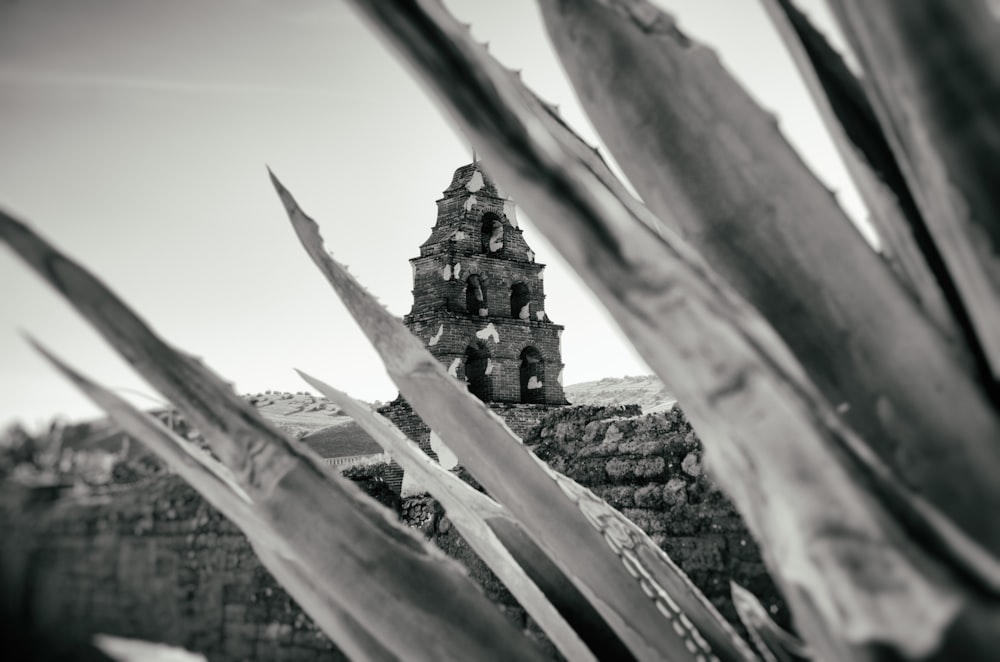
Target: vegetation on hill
647,391
298,414
342,439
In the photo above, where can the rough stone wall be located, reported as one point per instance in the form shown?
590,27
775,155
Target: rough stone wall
154,562
403,417
158,563
520,418
649,467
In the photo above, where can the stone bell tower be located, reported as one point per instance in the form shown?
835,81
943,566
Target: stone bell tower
479,298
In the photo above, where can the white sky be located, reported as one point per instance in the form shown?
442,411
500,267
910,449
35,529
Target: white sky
134,135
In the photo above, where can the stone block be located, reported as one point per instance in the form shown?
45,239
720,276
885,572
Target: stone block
648,496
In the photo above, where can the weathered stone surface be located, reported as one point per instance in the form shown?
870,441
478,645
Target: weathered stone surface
520,418
154,561
650,468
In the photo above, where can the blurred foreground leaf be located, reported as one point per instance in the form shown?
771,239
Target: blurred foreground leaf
773,440
400,591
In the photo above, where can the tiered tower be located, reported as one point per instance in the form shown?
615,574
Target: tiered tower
479,307
479,298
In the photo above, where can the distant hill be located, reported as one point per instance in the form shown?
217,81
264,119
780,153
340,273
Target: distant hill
647,391
298,414
317,422
341,440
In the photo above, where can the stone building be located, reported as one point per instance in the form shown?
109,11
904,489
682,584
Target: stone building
479,307
479,298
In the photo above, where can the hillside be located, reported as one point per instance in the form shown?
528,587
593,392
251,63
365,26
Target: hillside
342,439
647,391
317,422
298,414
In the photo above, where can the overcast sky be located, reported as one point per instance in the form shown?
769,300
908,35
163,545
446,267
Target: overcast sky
134,135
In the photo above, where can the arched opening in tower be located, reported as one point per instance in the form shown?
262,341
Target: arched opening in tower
520,301
476,302
491,237
478,369
532,376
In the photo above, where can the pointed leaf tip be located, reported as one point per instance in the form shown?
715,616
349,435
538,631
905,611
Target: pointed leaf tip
10,226
305,227
61,366
291,205
46,354
278,186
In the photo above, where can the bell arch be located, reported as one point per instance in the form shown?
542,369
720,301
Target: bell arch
520,301
476,300
478,359
532,374
491,233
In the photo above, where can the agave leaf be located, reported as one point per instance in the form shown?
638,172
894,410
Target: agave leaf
773,441
774,643
415,600
696,145
852,121
628,599
652,566
469,511
932,72
854,129
137,650
214,482
212,479
559,589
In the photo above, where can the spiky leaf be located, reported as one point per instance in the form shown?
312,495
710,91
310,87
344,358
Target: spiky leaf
414,600
851,124
699,148
763,422
593,551
932,72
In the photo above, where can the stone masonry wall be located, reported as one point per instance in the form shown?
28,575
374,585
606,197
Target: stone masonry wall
649,467
520,418
155,561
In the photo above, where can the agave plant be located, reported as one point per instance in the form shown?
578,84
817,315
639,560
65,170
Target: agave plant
846,398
